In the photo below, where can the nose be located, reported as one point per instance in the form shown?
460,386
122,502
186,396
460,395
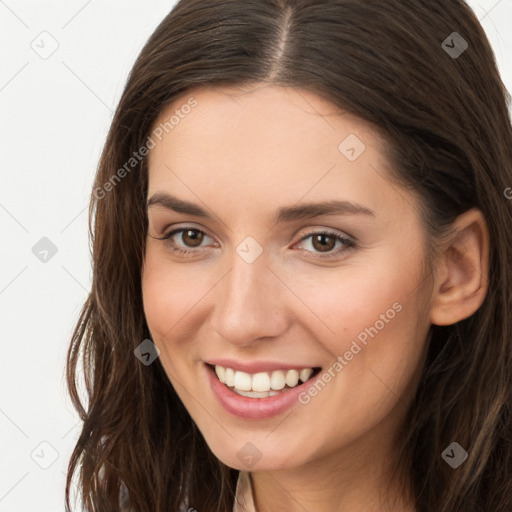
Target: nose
250,302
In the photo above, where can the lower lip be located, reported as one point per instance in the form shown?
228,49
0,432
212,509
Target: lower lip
253,408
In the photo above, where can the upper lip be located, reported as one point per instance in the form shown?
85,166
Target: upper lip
257,366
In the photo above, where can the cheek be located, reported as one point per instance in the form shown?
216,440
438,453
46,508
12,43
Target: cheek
173,301
159,297
378,339
373,319
169,293
349,300
166,300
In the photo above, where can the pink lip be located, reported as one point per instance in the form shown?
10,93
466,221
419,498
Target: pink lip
256,366
253,408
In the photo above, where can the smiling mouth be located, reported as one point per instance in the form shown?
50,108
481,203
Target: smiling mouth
263,384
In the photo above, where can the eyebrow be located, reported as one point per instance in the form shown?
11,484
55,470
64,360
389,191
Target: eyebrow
285,214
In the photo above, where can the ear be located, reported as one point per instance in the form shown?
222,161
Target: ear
462,276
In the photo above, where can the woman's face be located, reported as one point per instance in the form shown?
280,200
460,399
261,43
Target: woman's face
299,252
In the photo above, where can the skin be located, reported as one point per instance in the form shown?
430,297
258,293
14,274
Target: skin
242,154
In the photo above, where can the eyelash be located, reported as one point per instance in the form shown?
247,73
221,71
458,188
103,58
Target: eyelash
347,242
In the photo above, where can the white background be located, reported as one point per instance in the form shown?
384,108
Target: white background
55,114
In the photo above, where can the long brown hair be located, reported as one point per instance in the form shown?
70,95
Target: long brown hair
447,126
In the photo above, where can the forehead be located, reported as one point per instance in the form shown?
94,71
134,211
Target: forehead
264,142
264,107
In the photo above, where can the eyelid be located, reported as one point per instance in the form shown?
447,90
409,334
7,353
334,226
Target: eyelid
174,229
330,231
177,227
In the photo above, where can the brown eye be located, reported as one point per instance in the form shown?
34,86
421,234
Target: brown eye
184,241
326,244
192,237
323,243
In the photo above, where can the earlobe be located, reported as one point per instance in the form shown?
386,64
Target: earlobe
463,271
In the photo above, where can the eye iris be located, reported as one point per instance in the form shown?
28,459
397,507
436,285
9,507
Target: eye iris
195,236
321,240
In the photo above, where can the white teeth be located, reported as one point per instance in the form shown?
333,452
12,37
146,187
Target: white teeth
243,381
230,377
221,373
262,384
277,380
292,378
256,394
305,374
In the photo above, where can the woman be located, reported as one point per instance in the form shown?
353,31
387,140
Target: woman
301,296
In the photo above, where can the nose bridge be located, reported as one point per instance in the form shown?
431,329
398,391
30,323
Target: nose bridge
249,304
